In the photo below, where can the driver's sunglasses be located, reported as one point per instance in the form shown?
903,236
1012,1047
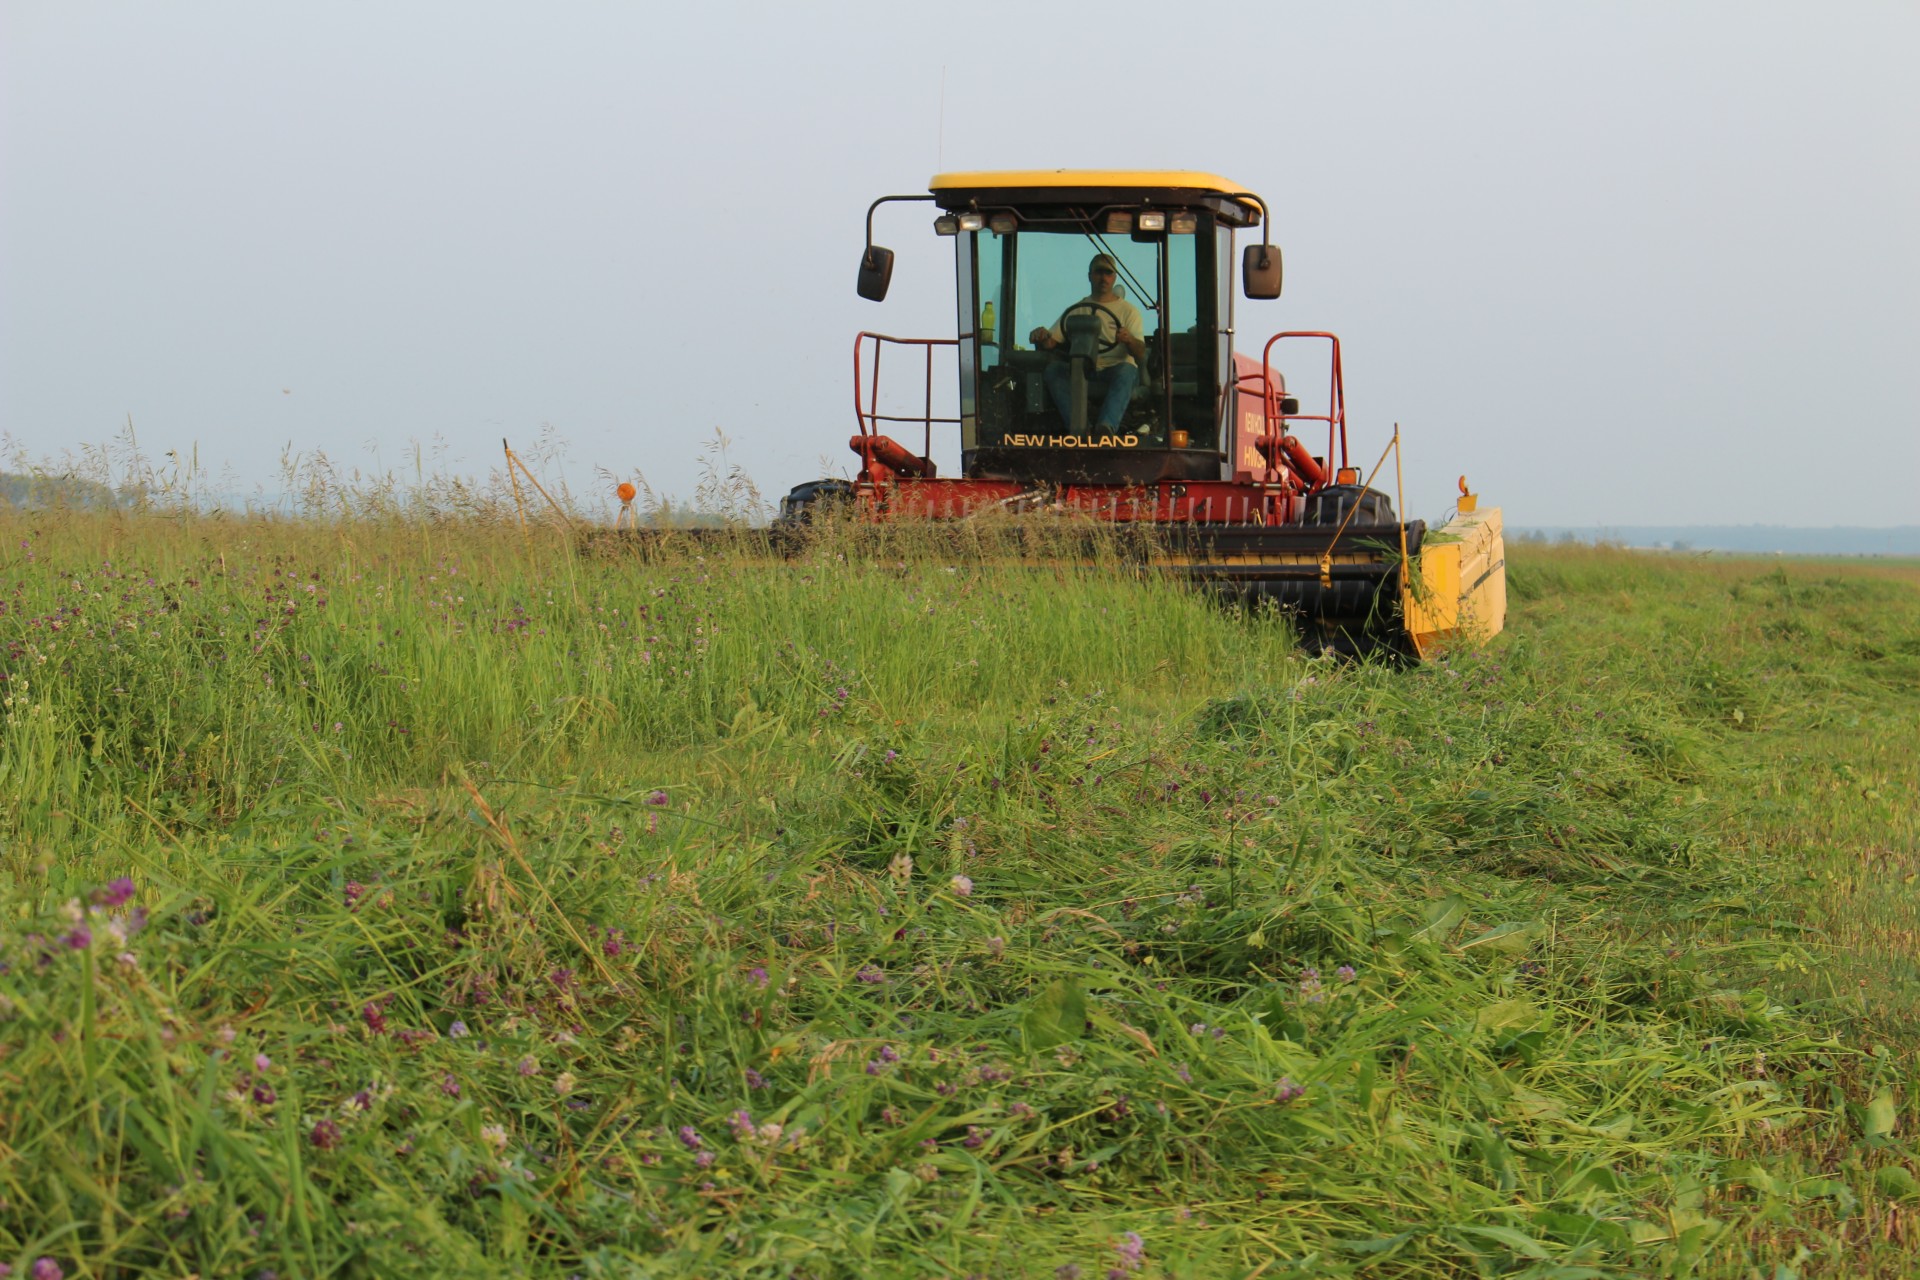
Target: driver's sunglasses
1101,271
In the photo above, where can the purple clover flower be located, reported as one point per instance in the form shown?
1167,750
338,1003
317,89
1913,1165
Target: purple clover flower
1287,1090
755,1080
656,797
325,1135
115,894
690,1137
45,1268
870,974
1345,973
78,940
757,976
1132,1250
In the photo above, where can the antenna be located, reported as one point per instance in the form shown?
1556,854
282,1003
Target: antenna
940,143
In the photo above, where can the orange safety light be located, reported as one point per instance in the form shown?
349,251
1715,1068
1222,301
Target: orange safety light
626,491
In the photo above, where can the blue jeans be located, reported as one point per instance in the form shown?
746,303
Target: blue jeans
1111,389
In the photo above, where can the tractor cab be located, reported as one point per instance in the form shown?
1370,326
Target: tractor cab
1095,322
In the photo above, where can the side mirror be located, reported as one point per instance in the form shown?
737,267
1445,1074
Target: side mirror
1260,271
876,273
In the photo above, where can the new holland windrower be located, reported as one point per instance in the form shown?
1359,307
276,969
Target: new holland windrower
1097,376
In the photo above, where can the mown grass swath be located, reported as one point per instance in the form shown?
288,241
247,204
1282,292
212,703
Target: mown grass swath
492,910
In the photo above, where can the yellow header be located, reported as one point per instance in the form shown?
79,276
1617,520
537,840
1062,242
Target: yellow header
1030,178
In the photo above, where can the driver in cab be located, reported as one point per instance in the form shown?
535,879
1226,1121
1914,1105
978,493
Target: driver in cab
1116,369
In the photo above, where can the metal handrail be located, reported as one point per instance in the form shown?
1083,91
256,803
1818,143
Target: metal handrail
1336,415
870,416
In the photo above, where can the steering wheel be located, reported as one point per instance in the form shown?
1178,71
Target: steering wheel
1103,345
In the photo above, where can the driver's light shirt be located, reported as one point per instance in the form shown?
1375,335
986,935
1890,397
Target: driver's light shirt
1129,316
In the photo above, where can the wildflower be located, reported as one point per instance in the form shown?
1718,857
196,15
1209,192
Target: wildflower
261,1062
770,1133
962,886
264,1095
757,976
901,868
352,893
376,1021
690,1137
656,797
1345,973
78,940
1067,1271
325,1135
1132,1250
704,1160
1286,1090
116,893
45,1268
1186,1076
996,947
449,1085
754,1079
527,1066
563,1083
741,1122
457,1030
976,1137
870,974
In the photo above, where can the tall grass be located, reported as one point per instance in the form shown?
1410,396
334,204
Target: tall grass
495,910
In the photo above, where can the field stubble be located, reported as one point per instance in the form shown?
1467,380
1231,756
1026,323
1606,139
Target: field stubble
394,897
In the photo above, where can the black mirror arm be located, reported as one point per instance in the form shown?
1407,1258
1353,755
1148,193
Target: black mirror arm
885,199
1266,229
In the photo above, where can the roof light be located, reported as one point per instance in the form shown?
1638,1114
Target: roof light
1119,224
1151,220
1003,224
972,222
1183,223
945,225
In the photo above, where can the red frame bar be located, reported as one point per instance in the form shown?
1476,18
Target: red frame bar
869,417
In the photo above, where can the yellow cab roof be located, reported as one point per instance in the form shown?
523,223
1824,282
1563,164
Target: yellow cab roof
1147,184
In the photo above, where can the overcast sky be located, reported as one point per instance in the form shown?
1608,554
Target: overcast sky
1619,263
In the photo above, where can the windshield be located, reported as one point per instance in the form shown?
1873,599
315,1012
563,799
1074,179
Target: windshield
1161,293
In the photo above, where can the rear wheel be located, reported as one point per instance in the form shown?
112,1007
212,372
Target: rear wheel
804,501
1332,504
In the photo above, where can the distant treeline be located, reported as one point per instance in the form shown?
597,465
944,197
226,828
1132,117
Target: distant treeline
1900,540
37,492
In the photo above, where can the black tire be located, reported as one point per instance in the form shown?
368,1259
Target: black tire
1331,505
803,501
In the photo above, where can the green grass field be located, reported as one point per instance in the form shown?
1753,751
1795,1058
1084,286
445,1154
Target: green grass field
389,897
